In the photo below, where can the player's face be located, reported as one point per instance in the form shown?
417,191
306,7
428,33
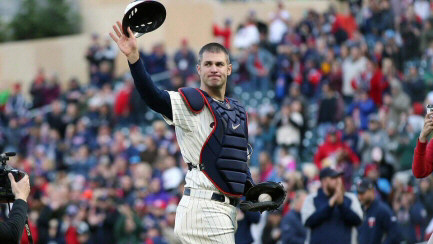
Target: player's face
214,70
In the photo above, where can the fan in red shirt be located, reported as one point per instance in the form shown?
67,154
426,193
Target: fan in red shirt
423,156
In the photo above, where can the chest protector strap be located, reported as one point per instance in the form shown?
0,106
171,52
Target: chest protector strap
224,154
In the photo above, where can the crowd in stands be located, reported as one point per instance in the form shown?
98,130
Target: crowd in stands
344,89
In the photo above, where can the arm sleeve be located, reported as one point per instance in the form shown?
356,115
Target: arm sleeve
422,165
12,229
158,100
311,216
351,210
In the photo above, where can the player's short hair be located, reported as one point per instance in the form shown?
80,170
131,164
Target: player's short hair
213,47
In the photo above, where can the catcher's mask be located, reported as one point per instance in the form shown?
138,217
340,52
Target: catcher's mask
143,16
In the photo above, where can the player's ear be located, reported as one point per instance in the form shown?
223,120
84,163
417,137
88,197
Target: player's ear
198,68
229,69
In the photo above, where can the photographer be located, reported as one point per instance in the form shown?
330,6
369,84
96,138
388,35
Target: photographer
12,229
423,156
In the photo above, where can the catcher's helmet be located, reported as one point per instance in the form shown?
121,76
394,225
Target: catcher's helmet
143,16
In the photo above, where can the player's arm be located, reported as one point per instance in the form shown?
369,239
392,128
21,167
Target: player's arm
158,100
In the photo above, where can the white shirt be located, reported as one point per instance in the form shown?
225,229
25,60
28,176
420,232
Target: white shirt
278,26
246,36
351,70
192,130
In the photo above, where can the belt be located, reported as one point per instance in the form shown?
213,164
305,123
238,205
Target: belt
216,197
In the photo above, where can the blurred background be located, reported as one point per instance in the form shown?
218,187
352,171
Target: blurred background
325,83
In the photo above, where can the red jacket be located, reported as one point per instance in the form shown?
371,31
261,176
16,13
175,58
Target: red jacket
223,32
423,159
328,148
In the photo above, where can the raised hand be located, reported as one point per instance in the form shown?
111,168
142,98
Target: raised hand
128,45
428,127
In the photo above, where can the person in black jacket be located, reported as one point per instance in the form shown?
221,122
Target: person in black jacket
12,228
380,224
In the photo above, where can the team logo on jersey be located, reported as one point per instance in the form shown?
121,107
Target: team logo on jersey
234,127
228,105
371,222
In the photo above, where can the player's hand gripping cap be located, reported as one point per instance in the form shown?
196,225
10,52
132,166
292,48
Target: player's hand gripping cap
274,189
143,16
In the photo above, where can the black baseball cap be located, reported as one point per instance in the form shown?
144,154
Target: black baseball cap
329,172
364,185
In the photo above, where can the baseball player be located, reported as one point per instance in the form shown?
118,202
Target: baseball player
212,133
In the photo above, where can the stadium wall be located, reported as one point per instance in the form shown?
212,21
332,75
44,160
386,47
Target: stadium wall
191,19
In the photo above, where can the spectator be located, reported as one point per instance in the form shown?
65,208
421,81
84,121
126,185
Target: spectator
411,215
371,138
259,65
272,232
247,34
331,215
185,60
279,21
245,220
267,170
331,108
289,126
108,53
425,195
224,32
37,89
156,62
17,104
362,107
414,85
168,225
379,224
351,134
353,66
128,226
92,53
292,229
333,151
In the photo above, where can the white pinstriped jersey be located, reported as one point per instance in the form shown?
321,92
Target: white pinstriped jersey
199,220
192,131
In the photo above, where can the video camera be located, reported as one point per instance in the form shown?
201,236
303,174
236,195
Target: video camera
6,194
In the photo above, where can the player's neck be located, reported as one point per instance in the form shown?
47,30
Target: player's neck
217,93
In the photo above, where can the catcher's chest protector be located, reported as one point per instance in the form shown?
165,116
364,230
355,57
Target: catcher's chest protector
224,154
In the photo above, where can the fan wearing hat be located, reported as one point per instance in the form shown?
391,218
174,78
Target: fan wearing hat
330,214
379,221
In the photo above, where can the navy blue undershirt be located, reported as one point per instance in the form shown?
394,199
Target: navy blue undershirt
158,100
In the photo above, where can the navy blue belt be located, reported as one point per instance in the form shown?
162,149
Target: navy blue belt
216,197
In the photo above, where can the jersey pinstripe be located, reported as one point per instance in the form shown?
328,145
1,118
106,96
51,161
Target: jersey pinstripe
198,219
192,131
